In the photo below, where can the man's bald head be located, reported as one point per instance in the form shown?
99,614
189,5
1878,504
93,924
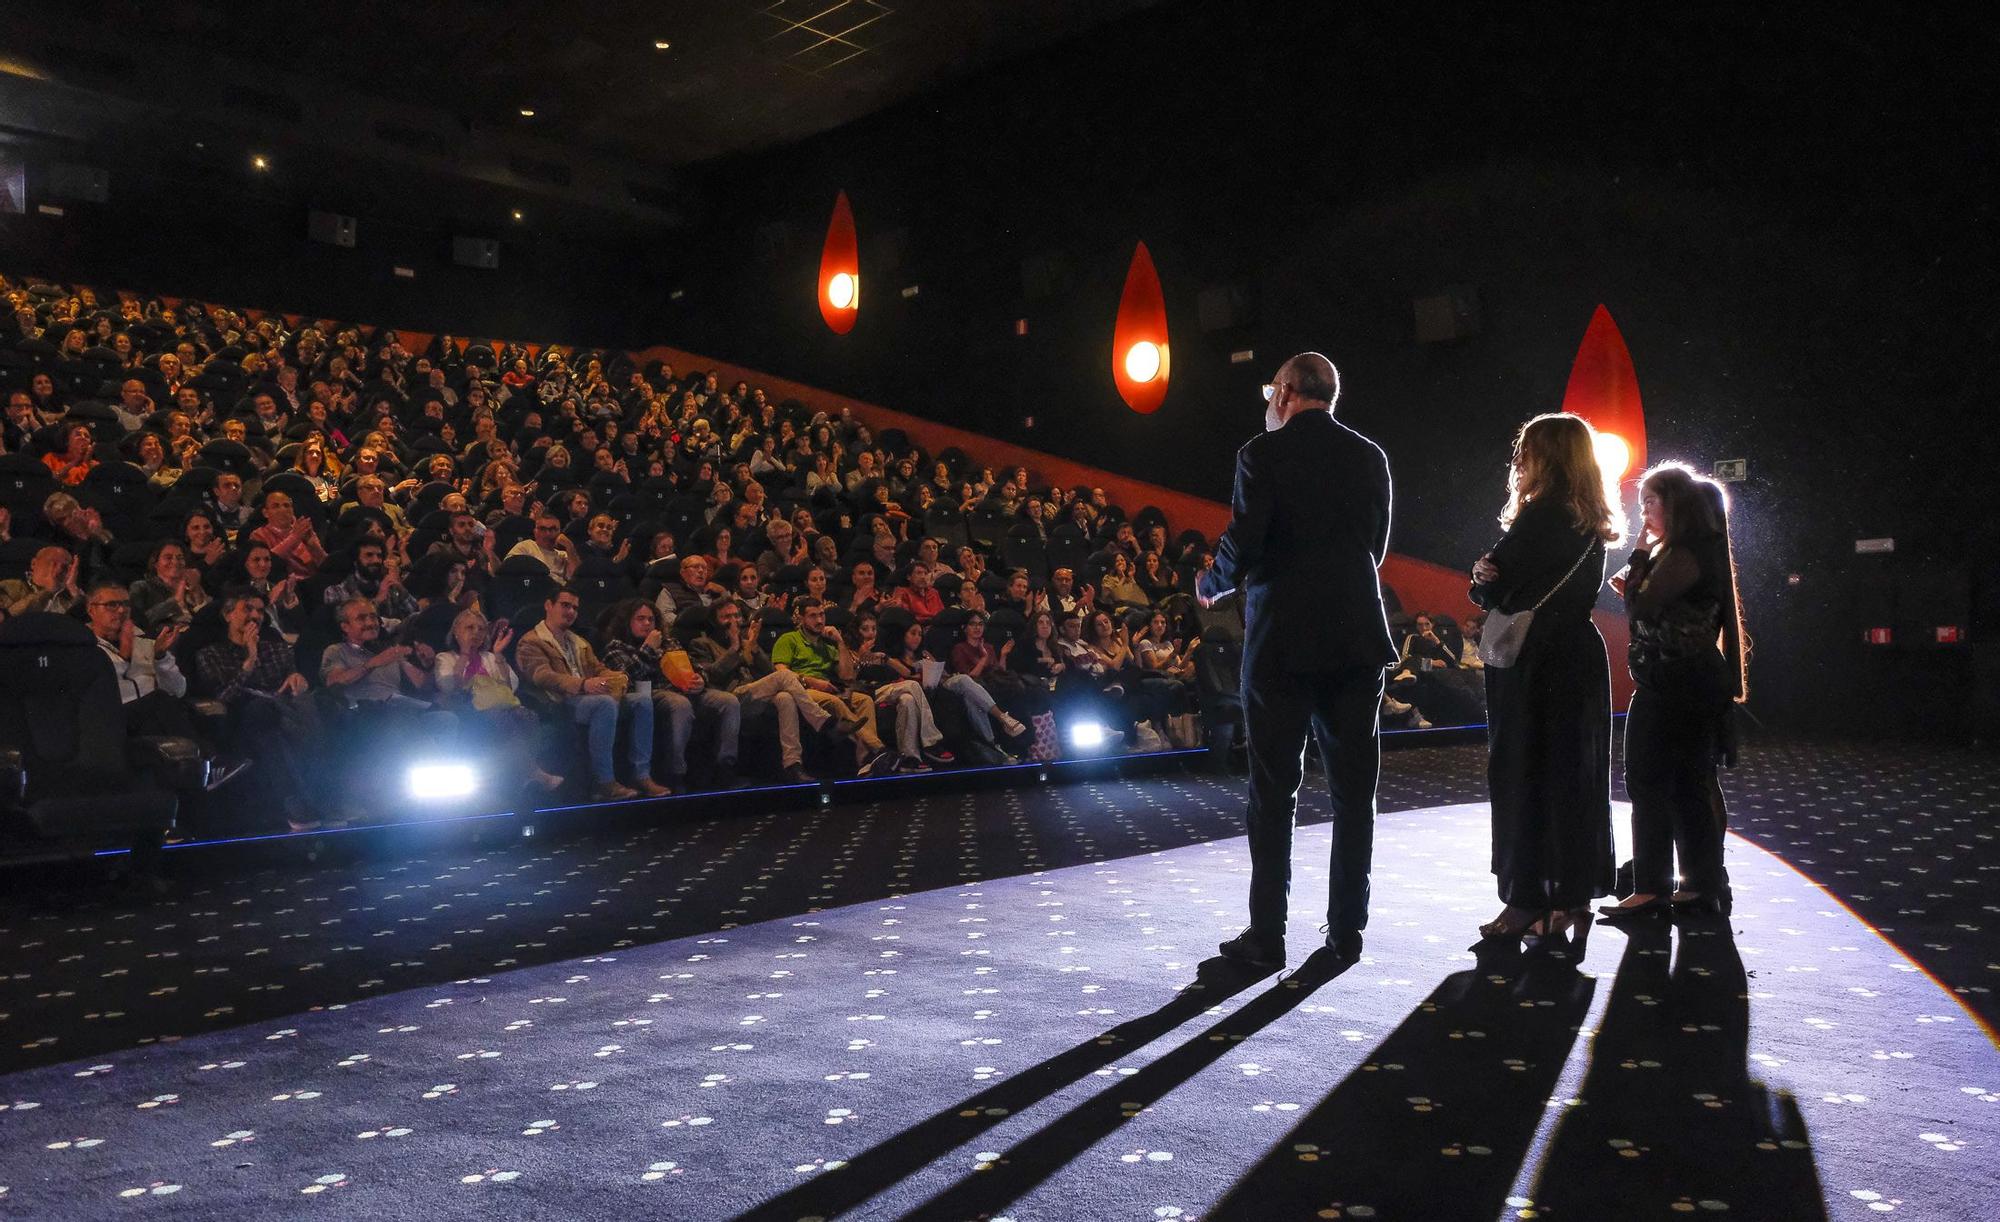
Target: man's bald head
1312,378
1306,383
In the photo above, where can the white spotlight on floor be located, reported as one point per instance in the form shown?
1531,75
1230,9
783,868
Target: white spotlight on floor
436,781
1087,735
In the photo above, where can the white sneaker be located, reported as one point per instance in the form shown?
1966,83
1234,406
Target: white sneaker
1394,705
1008,725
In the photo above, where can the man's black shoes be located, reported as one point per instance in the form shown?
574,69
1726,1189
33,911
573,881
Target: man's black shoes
1345,945
1252,949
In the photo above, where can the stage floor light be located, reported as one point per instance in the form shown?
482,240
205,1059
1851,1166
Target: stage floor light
1087,735
438,781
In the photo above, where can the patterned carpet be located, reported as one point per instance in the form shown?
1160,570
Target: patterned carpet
299,1071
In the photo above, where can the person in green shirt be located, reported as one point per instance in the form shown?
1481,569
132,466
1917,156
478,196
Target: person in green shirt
819,656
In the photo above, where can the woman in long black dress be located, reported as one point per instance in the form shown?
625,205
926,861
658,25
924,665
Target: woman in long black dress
1549,714
1687,663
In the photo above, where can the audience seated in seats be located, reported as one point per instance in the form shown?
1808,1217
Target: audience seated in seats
917,596
634,644
982,677
377,580
549,545
725,647
273,719
291,538
150,682
171,592
818,654
562,665
51,584
406,479
1120,590
475,681
919,742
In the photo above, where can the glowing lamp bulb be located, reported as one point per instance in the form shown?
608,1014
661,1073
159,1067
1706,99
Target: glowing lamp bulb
1613,455
1142,361
842,289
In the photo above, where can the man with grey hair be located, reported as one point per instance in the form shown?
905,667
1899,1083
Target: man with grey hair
1308,528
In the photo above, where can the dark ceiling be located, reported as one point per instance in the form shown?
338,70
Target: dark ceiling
739,75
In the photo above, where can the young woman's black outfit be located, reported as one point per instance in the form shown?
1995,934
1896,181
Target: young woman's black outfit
1682,603
1549,717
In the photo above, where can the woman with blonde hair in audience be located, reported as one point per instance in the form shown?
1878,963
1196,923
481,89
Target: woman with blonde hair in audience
475,680
1549,706
1688,660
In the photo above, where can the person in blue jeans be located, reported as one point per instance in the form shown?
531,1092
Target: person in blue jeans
562,665
634,644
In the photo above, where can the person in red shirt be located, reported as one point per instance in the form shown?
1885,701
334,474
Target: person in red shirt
918,597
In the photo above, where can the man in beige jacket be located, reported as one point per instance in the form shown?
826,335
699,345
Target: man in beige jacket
563,667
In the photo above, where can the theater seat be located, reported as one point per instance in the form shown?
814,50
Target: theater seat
70,771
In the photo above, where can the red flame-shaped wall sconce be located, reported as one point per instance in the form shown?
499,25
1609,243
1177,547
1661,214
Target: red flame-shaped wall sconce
1604,389
840,269
1139,363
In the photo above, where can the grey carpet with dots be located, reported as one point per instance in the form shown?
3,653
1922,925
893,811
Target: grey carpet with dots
964,1005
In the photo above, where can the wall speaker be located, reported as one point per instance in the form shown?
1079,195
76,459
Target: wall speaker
1224,307
1045,276
330,228
475,252
1449,315
88,183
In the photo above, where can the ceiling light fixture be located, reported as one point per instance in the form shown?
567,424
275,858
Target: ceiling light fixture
517,214
661,44
527,112
258,162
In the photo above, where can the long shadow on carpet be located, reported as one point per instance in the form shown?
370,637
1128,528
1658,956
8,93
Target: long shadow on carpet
1417,1091
883,1166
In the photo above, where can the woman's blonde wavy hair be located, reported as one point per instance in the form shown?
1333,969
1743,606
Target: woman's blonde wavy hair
1555,457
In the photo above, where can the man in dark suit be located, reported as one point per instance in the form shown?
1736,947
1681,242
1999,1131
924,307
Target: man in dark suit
1308,529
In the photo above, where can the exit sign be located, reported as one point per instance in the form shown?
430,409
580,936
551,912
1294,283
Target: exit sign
1732,470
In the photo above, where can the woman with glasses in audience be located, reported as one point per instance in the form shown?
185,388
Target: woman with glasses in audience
1687,658
1549,711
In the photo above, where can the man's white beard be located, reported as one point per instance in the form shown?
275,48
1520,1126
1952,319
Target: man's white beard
1271,422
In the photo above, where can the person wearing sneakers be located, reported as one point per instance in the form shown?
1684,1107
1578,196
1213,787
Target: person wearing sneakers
728,656
974,664
562,665
819,655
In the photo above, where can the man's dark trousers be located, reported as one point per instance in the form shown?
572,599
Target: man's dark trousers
1341,709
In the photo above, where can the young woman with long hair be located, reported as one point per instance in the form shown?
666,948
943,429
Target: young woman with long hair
1549,713
1689,663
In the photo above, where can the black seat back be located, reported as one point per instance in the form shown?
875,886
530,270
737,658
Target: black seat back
59,706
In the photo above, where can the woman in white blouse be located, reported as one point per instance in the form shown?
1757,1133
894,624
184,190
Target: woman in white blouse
474,673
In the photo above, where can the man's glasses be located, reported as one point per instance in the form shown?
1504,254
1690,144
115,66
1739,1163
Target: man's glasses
122,604
1270,391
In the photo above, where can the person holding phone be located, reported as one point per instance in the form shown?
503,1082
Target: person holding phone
1688,664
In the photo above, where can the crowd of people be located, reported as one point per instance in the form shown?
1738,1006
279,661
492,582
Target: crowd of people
1436,677
320,552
